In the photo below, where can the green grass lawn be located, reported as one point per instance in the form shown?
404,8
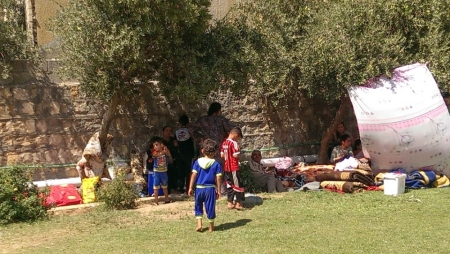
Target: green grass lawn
296,222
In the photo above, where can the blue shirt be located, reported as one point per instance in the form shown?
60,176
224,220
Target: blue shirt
207,170
160,163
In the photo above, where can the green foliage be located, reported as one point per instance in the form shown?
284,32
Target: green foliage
13,36
352,42
111,46
20,200
247,178
265,37
118,194
324,47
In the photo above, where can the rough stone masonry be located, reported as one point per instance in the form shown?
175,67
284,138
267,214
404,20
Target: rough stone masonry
44,121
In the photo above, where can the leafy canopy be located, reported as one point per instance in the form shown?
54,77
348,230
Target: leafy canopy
112,45
324,47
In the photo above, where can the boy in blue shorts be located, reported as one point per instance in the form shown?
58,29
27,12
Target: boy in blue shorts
161,159
207,177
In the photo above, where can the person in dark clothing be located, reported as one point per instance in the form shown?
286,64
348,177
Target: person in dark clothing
186,152
172,172
213,126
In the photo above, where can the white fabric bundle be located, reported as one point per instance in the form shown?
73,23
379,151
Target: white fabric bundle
403,121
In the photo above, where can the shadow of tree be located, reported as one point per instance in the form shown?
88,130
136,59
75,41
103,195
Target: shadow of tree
230,225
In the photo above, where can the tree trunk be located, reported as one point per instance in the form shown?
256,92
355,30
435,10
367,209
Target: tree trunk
29,13
108,116
343,109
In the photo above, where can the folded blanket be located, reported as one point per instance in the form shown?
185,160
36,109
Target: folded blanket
357,175
418,179
301,167
441,181
310,172
343,186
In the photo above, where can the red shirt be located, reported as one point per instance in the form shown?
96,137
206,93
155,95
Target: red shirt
230,152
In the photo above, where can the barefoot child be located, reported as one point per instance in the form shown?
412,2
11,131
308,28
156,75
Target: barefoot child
230,152
206,174
161,159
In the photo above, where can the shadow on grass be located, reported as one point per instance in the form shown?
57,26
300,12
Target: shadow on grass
230,225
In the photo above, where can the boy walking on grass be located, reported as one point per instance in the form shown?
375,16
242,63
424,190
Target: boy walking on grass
230,152
206,175
161,159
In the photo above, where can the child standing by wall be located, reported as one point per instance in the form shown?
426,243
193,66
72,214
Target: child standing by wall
161,160
171,144
206,175
185,152
230,152
147,162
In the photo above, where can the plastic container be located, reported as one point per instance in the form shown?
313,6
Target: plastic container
150,190
394,184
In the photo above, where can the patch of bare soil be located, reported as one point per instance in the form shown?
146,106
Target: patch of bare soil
180,208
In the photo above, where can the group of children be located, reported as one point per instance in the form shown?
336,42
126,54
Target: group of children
206,174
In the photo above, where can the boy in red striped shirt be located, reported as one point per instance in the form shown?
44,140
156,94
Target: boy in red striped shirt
230,150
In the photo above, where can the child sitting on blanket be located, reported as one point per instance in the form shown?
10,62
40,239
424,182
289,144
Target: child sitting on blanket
343,150
207,176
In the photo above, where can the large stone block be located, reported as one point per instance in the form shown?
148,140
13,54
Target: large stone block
26,158
30,126
12,159
4,111
41,141
65,156
20,94
81,107
27,108
51,156
56,140
38,158
41,126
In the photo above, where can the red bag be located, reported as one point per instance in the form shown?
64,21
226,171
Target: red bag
63,195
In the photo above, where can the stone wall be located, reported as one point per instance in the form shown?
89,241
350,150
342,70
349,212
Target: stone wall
43,122
46,122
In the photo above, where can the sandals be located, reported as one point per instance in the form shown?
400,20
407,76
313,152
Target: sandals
168,201
239,208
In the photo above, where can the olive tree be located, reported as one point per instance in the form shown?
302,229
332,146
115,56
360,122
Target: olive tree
324,47
113,46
